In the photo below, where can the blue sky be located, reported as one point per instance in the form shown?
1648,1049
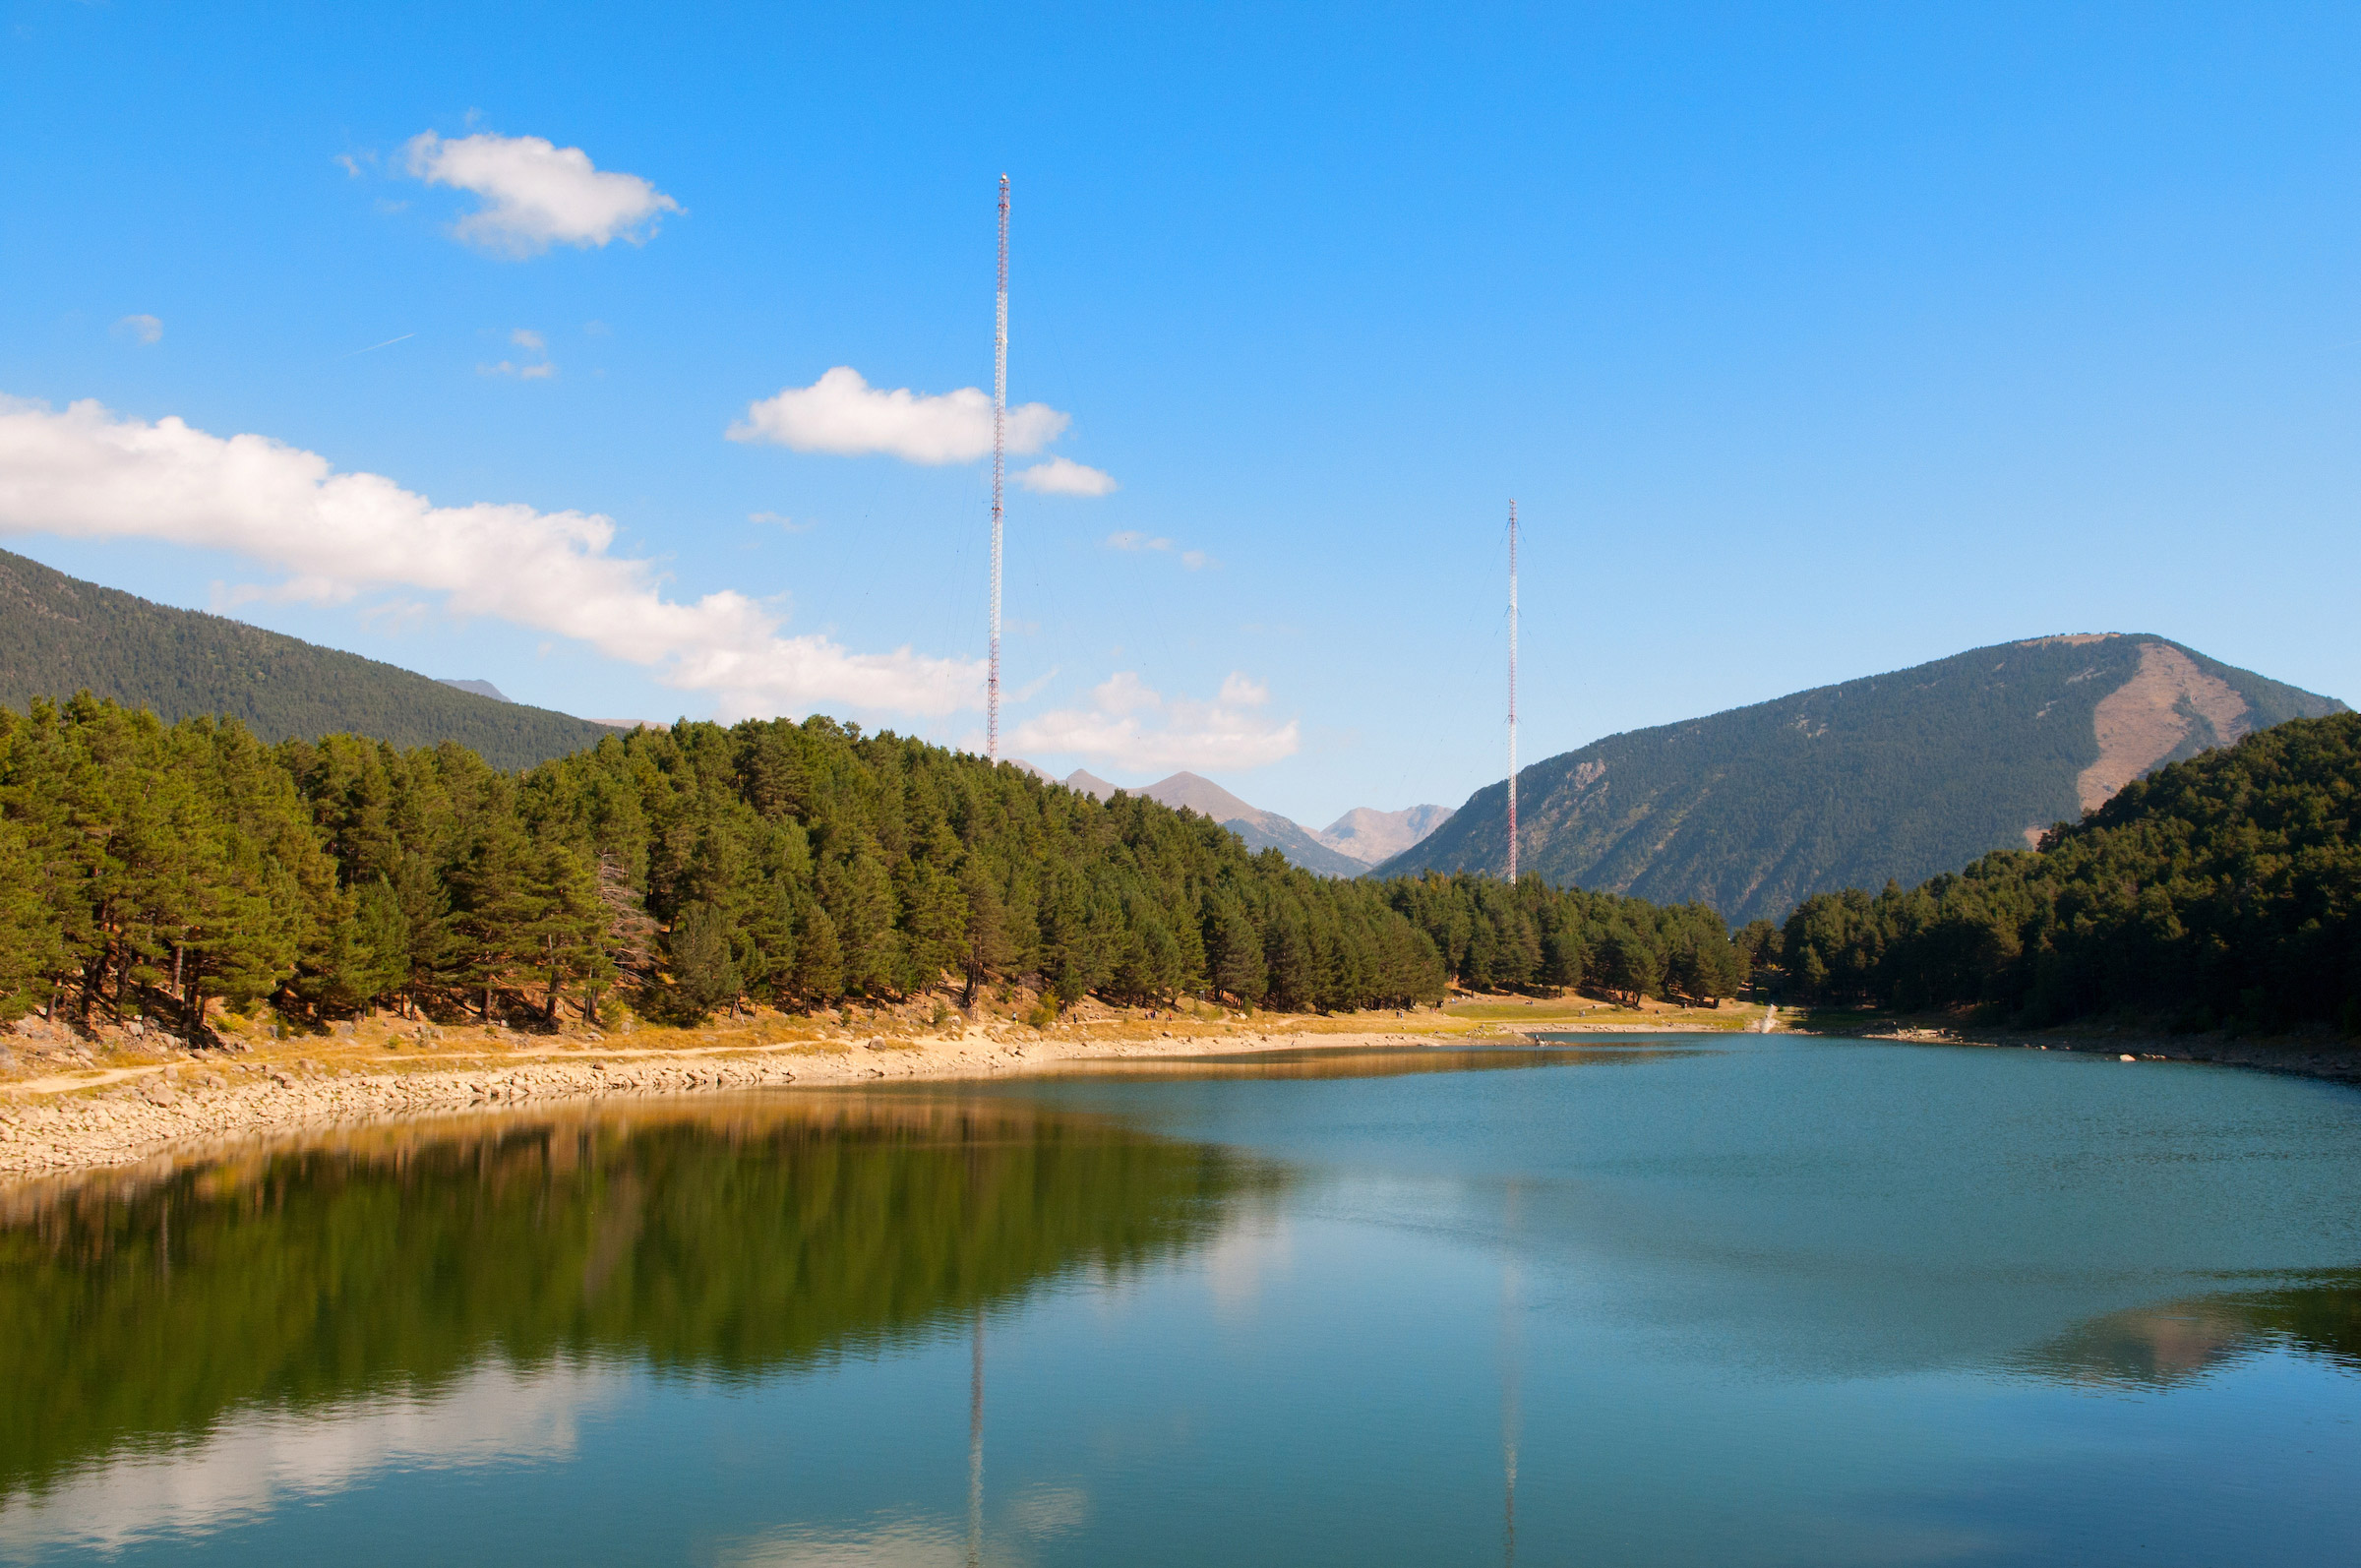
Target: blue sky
1813,342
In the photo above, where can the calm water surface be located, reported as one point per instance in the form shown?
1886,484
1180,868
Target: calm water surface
1716,1300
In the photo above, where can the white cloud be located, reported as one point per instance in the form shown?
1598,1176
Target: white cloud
1062,476
140,328
86,473
536,194
1132,539
779,520
1132,726
844,414
531,343
1123,693
1242,691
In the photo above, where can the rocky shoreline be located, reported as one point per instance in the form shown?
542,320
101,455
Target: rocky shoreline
96,1117
123,1116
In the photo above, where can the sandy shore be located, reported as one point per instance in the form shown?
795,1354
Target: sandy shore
114,1116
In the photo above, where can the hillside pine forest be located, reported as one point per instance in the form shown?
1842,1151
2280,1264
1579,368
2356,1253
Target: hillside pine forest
146,867
61,633
2218,891
153,867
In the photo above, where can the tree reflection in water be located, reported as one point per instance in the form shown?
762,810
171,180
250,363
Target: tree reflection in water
729,1240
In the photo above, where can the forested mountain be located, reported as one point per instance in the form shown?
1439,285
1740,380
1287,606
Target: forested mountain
1896,777
59,636
146,867
2225,889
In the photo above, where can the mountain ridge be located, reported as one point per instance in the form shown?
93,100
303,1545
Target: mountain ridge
1895,777
1260,828
61,634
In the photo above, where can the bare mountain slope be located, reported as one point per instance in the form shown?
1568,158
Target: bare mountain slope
1897,776
1260,829
1372,837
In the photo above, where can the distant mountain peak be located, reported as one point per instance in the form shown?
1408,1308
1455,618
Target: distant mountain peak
487,689
1207,799
1258,828
1373,837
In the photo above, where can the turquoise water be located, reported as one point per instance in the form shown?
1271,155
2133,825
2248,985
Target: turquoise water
1723,1299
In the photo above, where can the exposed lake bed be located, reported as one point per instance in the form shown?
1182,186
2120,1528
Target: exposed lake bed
1657,1299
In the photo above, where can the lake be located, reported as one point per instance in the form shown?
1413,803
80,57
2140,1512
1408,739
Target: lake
1683,1300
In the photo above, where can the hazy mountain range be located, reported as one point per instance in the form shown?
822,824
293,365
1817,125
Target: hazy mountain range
1348,847
1896,776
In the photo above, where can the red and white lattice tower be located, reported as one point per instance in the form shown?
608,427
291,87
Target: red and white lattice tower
1512,691
999,467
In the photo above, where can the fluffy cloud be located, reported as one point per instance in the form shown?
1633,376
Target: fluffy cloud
140,328
1062,476
1134,727
536,194
844,414
86,473
1132,539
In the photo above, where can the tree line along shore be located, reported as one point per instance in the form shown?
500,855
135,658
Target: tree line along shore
172,872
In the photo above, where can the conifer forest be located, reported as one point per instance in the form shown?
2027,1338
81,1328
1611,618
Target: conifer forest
164,869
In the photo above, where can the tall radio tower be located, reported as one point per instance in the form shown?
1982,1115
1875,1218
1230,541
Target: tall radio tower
999,464
1512,690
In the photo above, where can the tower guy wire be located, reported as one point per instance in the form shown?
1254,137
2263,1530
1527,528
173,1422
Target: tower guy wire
1000,466
1512,691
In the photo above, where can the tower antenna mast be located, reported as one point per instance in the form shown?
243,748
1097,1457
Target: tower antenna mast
999,465
1512,691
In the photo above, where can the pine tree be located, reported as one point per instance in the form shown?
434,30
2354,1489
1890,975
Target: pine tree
566,929
819,957
986,949
698,952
